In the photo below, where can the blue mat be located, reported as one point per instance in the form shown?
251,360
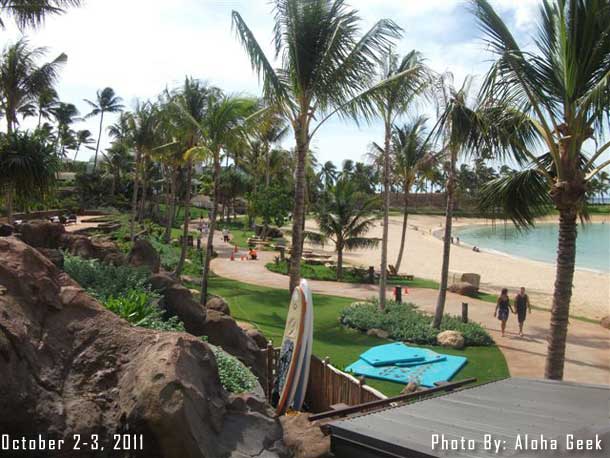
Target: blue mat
424,374
429,358
386,355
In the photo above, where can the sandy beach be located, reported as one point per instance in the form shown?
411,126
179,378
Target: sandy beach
422,258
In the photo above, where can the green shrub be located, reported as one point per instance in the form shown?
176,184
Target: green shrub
404,322
234,376
104,280
135,305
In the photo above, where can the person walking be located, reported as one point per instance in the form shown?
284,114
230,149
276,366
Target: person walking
503,308
522,308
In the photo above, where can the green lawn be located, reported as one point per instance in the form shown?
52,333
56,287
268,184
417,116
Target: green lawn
267,307
350,275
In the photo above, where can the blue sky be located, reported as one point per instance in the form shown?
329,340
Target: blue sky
139,47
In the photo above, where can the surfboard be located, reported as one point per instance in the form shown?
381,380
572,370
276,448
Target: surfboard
291,352
301,391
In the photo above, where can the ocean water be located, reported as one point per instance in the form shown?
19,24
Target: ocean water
540,243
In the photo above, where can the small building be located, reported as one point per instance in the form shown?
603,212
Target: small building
511,417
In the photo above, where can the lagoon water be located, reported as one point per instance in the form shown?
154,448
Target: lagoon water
540,243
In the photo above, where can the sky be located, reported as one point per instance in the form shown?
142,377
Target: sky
140,47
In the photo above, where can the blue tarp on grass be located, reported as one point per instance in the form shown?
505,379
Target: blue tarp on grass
433,368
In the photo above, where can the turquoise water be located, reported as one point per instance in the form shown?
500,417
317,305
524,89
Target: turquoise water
540,243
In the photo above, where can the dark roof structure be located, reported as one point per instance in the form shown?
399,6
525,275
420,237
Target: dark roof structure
527,418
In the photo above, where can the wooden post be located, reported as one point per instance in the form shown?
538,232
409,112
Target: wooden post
465,312
361,383
326,382
282,254
199,244
371,275
270,369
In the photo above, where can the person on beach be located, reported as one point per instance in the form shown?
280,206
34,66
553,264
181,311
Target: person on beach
522,308
503,308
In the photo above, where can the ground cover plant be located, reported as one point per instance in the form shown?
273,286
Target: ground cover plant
404,322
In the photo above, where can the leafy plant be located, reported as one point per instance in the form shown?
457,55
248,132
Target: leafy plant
404,322
104,280
234,376
136,306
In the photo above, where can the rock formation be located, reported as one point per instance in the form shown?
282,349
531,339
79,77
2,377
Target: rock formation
143,254
69,366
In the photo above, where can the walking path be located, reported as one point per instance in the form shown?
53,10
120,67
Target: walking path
587,352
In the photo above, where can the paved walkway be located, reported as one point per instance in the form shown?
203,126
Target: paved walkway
588,349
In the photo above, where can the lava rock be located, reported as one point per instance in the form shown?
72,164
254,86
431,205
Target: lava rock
450,339
143,254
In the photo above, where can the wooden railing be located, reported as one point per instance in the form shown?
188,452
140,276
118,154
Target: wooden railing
328,386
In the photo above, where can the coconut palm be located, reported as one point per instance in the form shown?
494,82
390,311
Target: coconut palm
65,115
563,85
106,102
220,127
23,80
390,103
31,13
117,160
328,174
344,216
325,69
83,137
47,100
412,156
143,122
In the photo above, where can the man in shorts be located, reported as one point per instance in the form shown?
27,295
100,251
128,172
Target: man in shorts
522,308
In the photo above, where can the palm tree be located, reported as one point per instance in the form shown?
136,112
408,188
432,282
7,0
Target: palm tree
142,136
83,137
46,102
221,126
393,101
65,114
563,86
31,13
325,69
117,160
344,216
328,174
106,102
411,151
22,80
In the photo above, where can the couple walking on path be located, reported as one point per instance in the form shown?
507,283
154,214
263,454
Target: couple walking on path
522,308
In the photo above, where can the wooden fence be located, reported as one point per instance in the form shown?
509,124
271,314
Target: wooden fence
328,386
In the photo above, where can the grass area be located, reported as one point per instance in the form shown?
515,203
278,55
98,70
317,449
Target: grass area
267,308
599,209
350,275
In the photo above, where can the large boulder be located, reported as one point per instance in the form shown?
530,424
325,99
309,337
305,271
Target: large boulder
450,339
89,248
219,304
143,254
463,288
177,300
605,322
41,233
6,230
54,255
69,366
222,330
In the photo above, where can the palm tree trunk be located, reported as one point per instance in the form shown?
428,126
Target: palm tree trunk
99,138
403,236
170,207
144,188
386,216
187,211
442,292
566,255
210,244
134,198
298,212
76,153
339,263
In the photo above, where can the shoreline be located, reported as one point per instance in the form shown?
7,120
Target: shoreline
438,233
423,258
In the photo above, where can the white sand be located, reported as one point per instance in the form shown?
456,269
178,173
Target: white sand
423,258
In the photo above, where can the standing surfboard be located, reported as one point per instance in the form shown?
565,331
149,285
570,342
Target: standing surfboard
299,396
291,352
